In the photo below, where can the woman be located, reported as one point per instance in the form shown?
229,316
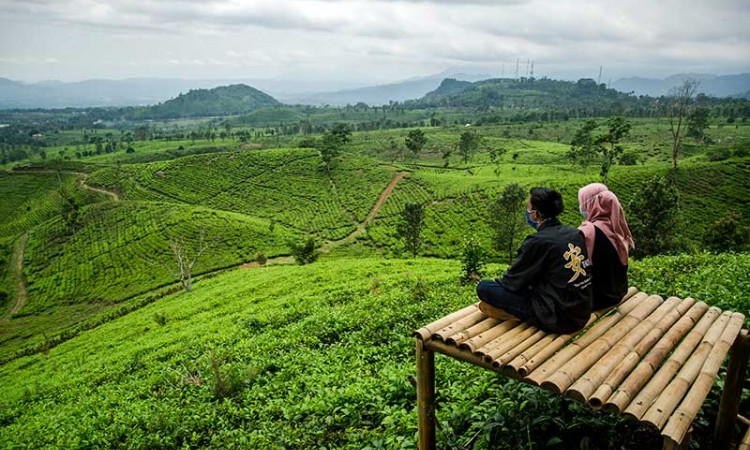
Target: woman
608,240
548,284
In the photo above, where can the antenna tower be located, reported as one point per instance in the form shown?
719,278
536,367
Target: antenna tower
599,80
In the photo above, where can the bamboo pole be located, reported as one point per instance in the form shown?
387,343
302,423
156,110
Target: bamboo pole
509,344
479,340
500,340
616,350
568,373
518,362
745,444
425,397
459,325
469,333
679,421
539,366
730,397
641,376
676,382
425,332
631,360
520,348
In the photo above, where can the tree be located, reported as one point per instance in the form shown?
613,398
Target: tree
583,148
507,218
304,252
415,141
677,108
468,144
697,122
410,228
608,144
186,259
332,142
728,234
473,260
653,215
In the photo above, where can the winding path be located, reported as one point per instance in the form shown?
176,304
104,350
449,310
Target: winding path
17,263
82,184
361,226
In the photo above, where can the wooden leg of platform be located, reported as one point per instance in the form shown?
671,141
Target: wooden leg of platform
730,398
426,396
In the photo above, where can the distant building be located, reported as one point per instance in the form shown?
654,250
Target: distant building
4,125
37,136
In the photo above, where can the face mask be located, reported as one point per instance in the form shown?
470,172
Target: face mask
531,222
583,213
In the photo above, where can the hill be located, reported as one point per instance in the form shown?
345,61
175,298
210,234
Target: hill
305,357
219,101
583,97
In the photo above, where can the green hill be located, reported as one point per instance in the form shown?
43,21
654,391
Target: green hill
309,357
219,101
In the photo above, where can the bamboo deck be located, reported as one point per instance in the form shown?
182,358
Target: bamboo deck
649,358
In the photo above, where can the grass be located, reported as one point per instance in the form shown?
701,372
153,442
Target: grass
300,357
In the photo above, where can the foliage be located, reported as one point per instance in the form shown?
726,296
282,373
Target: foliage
473,259
728,234
507,219
415,141
608,144
678,107
304,252
653,216
261,258
468,143
223,100
697,122
412,219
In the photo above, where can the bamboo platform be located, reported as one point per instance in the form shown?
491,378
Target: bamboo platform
652,359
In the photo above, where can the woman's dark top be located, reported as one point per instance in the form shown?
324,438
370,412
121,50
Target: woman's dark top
553,264
610,277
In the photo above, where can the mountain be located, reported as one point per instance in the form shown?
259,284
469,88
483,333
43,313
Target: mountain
712,85
223,100
382,94
450,86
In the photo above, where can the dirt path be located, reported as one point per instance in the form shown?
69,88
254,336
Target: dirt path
82,184
17,261
361,226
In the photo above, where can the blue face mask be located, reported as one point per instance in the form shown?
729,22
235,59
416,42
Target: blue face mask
531,223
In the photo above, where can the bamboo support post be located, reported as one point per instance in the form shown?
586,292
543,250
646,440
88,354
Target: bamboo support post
668,399
679,421
729,405
425,397
601,367
472,331
459,325
572,369
540,365
426,332
684,322
632,388
481,339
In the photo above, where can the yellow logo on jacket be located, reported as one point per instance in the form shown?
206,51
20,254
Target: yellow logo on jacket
575,260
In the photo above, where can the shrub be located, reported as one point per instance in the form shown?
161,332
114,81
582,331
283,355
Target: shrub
728,234
473,259
261,258
304,252
653,215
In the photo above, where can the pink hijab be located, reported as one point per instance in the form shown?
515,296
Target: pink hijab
603,209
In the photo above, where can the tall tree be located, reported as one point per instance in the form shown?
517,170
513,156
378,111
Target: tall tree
653,216
507,219
410,227
608,144
185,259
697,122
415,141
677,107
468,144
583,148
332,142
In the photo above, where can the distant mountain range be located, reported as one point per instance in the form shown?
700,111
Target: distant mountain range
712,85
151,91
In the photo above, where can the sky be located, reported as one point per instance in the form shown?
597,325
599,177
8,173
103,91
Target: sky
365,42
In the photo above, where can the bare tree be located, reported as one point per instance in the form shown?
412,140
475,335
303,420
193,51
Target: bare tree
185,260
677,109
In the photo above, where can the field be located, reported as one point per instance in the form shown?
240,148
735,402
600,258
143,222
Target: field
101,347
322,358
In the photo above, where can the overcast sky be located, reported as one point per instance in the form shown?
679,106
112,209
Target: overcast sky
369,41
